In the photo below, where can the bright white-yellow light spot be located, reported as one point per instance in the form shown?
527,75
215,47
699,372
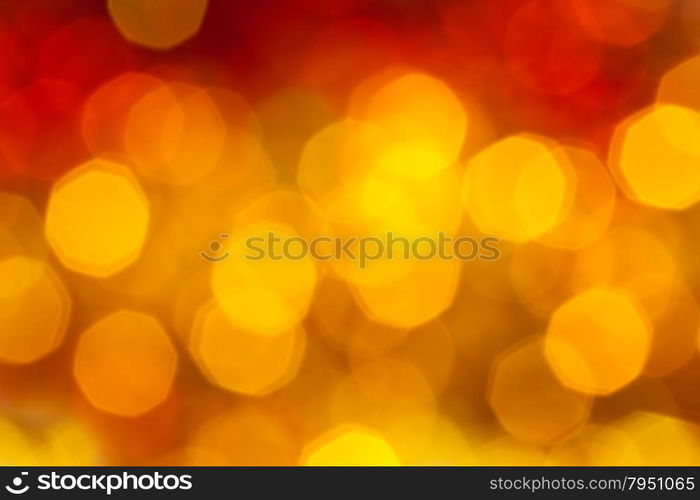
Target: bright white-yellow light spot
598,341
157,24
657,154
243,361
350,446
125,363
97,218
34,310
516,189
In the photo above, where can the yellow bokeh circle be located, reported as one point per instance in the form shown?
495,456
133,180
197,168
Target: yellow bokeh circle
97,218
125,363
34,310
598,341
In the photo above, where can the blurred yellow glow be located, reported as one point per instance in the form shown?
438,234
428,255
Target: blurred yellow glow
677,86
529,400
540,276
632,258
675,334
592,205
157,24
340,321
285,133
243,361
425,291
657,155
247,436
97,218
509,452
266,296
69,444
662,440
21,228
621,22
106,111
598,341
409,206
426,132
517,188
17,449
335,161
349,446
285,207
28,286
429,439
431,349
125,363
595,445
381,392
175,133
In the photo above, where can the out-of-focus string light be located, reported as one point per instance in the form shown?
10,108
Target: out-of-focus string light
39,137
125,363
247,436
517,188
631,258
675,333
28,285
592,206
244,361
507,451
429,439
599,341
548,52
597,445
379,392
16,446
106,112
621,22
676,86
425,290
663,440
286,207
665,136
71,444
425,135
175,133
65,55
157,24
335,161
530,401
21,228
264,295
349,445
97,218
339,320
540,276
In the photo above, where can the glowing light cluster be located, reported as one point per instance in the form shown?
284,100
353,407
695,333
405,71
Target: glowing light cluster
149,149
